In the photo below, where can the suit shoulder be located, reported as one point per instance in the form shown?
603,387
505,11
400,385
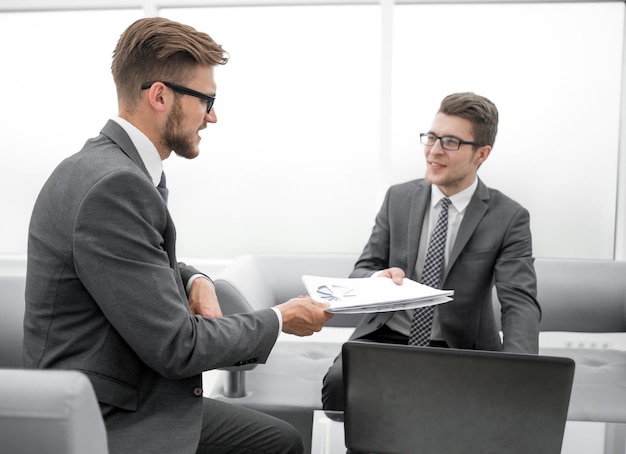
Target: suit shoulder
501,202
100,155
408,186
100,160
501,197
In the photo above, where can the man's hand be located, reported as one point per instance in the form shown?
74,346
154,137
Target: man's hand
395,274
303,316
203,299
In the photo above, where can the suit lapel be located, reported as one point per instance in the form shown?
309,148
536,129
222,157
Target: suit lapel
473,215
419,205
117,134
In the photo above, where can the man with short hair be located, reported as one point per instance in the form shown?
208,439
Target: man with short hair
486,240
105,294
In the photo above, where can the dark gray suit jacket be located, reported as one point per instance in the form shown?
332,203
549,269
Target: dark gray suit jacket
493,246
106,296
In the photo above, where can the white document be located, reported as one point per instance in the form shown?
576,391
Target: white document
364,295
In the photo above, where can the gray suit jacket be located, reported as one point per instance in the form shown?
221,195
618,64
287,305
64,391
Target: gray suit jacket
493,246
106,296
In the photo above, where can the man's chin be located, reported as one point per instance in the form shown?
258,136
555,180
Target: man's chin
188,154
430,179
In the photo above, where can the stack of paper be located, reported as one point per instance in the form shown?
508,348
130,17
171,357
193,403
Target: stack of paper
372,294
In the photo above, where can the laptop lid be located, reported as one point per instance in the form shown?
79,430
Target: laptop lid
405,399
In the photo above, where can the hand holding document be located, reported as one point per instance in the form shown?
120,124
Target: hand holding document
365,295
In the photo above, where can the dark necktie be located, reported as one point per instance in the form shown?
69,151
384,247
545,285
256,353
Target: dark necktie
162,188
421,324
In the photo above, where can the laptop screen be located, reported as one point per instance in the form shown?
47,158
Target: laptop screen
406,399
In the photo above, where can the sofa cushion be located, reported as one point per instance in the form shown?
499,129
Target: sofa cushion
599,388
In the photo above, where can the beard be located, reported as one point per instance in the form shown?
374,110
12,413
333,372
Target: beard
181,143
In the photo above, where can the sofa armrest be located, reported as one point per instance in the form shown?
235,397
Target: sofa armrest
241,287
12,320
49,411
260,281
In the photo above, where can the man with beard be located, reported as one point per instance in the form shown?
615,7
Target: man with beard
105,293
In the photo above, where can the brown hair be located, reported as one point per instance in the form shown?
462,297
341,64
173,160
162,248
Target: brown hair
156,48
479,110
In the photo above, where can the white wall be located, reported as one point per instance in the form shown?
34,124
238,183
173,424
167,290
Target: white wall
57,92
289,165
554,71
301,155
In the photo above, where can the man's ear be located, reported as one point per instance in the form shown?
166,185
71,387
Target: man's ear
158,97
482,154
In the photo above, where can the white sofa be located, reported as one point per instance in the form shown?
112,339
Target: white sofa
41,411
288,386
577,296
12,289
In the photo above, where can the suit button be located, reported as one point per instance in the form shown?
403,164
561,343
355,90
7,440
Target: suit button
197,391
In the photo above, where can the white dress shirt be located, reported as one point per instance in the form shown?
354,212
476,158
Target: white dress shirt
401,320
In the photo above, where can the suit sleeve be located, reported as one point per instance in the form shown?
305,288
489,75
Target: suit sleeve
516,285
124,254
187,272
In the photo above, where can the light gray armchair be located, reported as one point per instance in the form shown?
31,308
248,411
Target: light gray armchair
288,386
52,412
12,289
586,296
254,282
41,411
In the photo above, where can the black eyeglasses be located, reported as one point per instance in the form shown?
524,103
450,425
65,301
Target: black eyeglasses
447,142
209,100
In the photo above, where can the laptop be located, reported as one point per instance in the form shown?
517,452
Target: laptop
405,399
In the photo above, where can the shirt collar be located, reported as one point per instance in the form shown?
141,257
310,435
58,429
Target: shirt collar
460,200
146,149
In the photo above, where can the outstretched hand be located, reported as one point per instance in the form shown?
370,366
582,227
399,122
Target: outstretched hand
395,274
303,316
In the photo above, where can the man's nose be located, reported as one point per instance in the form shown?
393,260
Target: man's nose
436,148
211,117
